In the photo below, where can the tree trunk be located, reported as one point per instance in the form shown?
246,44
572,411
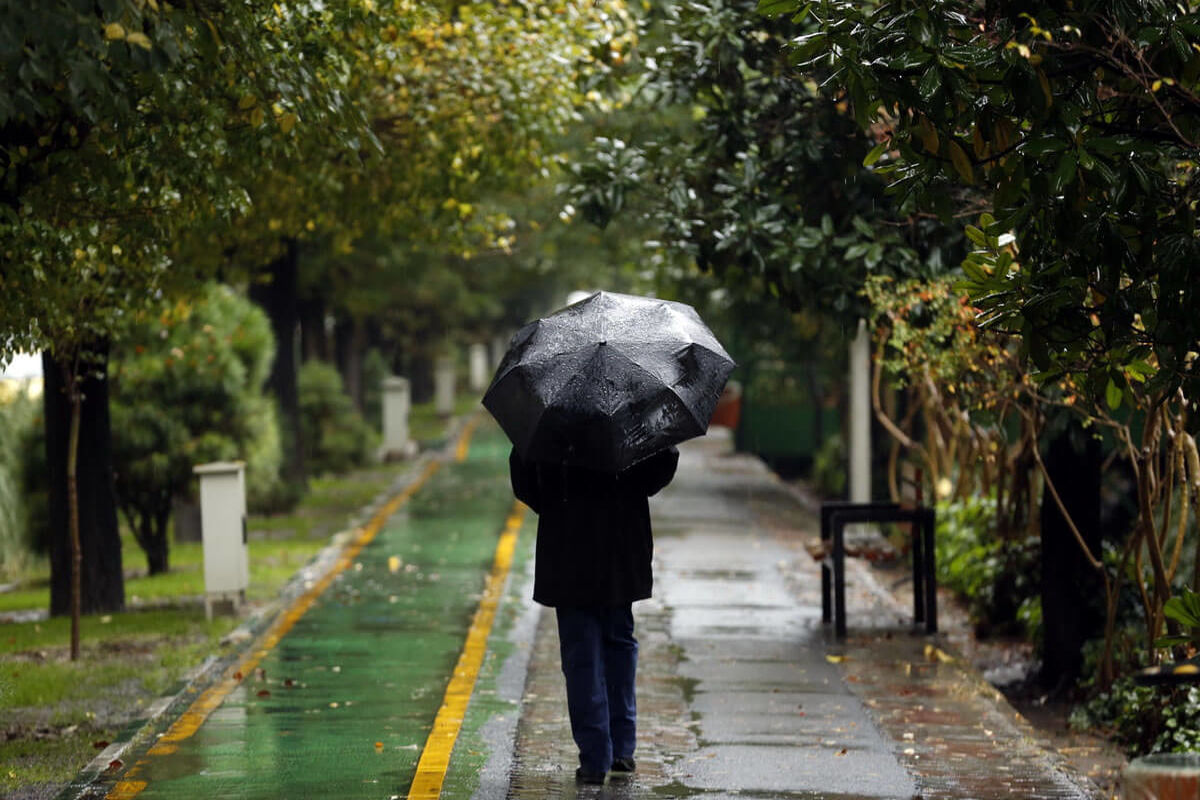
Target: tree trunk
1071,588
277,297
420,367
75,399
157,561
349,342
314,344
101,583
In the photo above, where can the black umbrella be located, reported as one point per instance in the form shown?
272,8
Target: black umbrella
608,381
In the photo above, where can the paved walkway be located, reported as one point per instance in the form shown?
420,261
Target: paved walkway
742,692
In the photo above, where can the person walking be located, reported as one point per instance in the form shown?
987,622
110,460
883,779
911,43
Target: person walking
592,561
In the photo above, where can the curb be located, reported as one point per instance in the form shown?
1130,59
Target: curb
111,760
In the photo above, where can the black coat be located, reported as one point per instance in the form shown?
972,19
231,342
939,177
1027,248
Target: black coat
593,540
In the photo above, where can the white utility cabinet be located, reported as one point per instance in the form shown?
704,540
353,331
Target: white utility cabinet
223,530
397,402
443,386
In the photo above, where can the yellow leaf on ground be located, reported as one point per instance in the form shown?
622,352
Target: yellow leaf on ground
832,659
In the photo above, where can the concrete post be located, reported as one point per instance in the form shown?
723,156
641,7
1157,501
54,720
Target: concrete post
499,348
478,362
860,416
397,402
223,529
443,385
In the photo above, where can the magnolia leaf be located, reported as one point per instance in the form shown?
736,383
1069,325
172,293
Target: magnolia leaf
1113,395
1045,84
962,164
1171,641
929,136
873,156
287,122
114,31
1184,608
140,39
773,8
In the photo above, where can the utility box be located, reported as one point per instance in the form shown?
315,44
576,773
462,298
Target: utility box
396,405
223,530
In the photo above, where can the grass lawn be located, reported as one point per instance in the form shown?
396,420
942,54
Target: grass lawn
58,714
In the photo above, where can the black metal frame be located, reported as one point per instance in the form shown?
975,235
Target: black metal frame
835,515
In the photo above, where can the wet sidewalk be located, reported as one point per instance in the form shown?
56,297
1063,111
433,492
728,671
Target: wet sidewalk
743,692
416,665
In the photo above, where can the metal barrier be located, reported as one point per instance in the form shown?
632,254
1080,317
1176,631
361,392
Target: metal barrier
835,516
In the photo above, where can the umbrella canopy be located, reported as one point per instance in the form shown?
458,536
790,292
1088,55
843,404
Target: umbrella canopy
608,381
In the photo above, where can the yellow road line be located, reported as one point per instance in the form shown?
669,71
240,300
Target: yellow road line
464,441
435,758
211,698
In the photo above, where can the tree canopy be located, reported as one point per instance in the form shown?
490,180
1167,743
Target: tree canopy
1076,128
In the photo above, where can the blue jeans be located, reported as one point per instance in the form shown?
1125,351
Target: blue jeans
599,662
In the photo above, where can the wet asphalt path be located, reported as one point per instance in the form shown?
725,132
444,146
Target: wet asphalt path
341,705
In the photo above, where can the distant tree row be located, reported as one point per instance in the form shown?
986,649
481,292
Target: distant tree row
337,158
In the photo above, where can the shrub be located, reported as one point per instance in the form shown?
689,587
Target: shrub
1145,719
18,414
998,577
186,389
337,437
375,369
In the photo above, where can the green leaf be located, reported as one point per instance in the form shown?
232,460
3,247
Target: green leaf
976,235
1113,395
1184,608
1171,641
876,151
931,81
775,8
961,162
1064,173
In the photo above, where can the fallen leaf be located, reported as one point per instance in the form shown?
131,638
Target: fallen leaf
100,744
289,683
264,692
116,763
832,659
841,752
237,676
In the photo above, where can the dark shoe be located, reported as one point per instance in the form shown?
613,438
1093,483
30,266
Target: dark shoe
582,776
623,766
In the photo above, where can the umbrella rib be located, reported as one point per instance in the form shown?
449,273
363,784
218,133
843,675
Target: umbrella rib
641,368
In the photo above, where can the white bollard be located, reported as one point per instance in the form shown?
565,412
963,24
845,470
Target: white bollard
860,416
443,386
397,402
478,363
499,348
223,530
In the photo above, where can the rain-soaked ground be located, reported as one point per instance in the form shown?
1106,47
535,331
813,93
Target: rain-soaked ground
341,706
742,692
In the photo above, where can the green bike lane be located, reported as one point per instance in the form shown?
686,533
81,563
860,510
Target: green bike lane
342,702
